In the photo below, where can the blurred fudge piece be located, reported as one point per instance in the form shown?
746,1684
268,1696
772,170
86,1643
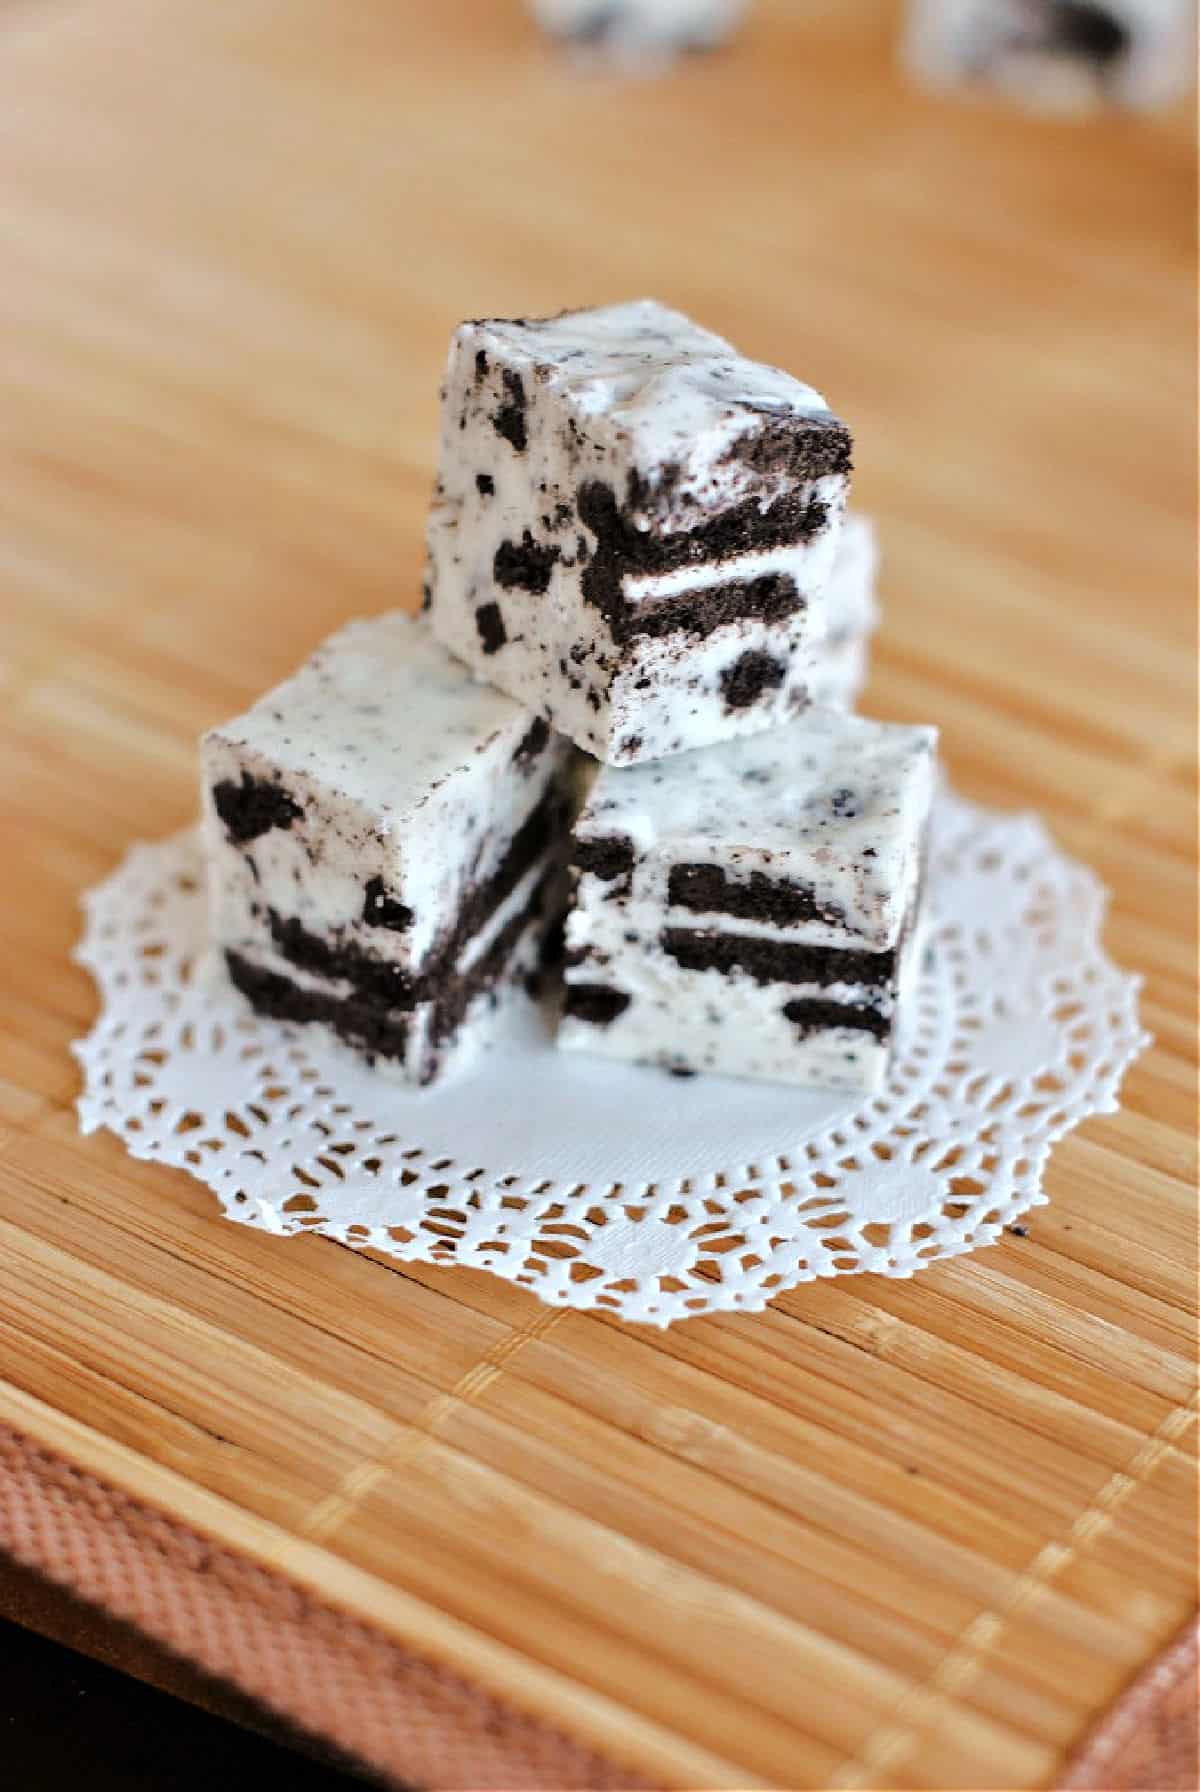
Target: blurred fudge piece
637,34
1057,55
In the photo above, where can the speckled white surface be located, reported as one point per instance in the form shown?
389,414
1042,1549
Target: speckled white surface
640,401
834,803
650,388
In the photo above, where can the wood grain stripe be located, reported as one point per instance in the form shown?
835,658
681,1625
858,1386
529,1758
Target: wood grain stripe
332,1511
889,1747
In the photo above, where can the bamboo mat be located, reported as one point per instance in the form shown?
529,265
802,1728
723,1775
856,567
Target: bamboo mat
886,1534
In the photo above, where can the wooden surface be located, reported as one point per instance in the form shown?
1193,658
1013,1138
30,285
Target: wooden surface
887,1534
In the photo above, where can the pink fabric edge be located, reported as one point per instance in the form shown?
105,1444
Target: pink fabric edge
1166,1761
409,1718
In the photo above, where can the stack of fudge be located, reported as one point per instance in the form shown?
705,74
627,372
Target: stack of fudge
627,702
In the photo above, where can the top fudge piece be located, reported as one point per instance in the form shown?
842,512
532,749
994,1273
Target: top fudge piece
753,908
381,830
632,527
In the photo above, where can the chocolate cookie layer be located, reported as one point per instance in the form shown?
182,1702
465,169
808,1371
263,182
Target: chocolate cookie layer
776,961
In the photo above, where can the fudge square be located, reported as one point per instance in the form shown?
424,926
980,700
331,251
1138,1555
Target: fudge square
384,838
632,526
753,908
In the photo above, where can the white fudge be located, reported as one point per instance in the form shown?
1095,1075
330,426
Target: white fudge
632,527
851,617
754,908
383,834
1057,55
638,34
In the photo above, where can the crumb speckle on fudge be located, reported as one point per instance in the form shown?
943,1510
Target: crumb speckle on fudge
606,859
594,1003
382,910
253,807
509,419
534,742
524,565
750,677
489,624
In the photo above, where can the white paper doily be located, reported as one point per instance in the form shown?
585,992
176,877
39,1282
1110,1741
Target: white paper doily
598,1184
